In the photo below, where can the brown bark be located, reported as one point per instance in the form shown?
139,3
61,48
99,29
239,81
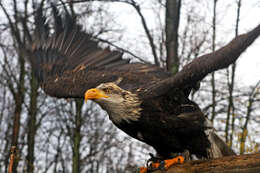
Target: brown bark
249,163
12,158
172,17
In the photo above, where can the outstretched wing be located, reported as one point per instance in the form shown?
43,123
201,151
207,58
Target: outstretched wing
69,61
203,65
68,49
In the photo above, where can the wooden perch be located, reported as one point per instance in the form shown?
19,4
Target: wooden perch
249,163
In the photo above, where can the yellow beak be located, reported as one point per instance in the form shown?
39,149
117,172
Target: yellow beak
94,93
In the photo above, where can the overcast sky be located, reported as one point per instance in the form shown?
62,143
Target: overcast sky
248,71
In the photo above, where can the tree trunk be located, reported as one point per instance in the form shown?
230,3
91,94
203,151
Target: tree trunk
232,164
171,28
32,123
77,137
213,84
19,99
231,84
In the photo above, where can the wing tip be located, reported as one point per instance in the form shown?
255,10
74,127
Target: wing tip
67,48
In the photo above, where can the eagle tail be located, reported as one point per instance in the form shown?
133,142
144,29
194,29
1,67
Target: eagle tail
218,148
68,48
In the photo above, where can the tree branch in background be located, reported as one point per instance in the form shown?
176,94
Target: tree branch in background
123,50
143,21
19,92
213,84
147,31
251,99
231,84
12,159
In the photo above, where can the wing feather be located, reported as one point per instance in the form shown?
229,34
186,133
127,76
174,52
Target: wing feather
68,48
68,61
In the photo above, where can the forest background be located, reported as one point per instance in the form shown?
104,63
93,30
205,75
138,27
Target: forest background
57,135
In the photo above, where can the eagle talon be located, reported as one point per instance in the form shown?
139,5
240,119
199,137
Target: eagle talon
153,159
142,170
176,160
155,163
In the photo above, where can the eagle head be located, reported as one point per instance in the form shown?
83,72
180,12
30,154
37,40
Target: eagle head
120,104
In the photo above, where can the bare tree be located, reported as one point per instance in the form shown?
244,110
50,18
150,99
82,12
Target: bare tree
16,81
252,98
213,112
231,84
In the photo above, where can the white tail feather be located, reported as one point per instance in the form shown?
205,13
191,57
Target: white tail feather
218,147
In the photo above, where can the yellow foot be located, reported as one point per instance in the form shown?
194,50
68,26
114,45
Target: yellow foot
163,165
142,170
170,162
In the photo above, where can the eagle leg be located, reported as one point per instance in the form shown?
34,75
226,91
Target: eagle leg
155,163
168,163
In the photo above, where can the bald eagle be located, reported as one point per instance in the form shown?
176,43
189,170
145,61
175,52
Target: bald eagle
143,100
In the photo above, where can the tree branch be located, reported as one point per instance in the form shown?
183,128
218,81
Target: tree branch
232,164
147,32
123,50
143,21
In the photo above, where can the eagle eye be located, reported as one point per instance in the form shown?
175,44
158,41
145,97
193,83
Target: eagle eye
107,90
